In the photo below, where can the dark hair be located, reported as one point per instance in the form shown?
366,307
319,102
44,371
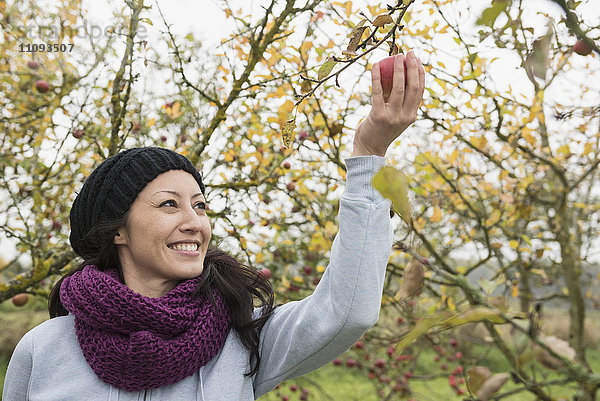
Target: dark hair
239,284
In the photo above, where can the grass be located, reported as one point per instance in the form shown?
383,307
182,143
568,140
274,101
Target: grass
330,382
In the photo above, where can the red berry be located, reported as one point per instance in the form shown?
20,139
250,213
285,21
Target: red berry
408,375
359,344
337,361
380,363
350,362
287,165
308,271
266,273
291,186
454,342
293,387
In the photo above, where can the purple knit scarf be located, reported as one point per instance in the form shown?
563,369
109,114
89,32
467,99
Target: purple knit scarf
138,343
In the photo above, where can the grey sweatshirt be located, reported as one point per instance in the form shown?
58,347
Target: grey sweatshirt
300,337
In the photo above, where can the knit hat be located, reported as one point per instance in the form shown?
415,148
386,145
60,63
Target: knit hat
112,187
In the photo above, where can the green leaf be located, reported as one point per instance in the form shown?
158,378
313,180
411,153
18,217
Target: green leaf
393,184
419,330
489,15
476,314
326,68
147,21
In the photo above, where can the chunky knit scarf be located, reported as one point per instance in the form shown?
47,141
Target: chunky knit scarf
138,343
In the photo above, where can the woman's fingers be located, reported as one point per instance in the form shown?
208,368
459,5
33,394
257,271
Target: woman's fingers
376,87
415,85
398,82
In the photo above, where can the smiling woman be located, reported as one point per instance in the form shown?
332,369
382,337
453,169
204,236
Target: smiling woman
154,312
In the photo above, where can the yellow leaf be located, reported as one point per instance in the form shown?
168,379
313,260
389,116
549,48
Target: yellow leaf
287,132
514,244
326,68
437,215
382,19
514,291
151,122
259,257
393,184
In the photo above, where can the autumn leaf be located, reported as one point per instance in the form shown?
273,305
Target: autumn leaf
305,86
412,280
382,19
287,132
537,61
326,68
393,184
492,385
476,376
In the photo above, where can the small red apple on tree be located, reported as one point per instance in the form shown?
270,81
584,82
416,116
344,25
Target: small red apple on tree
386,68
266,273
33,64
42,86
582,48
20,299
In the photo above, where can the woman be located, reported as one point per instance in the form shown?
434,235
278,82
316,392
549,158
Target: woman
154,313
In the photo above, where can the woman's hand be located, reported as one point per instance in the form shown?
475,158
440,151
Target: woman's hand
386,121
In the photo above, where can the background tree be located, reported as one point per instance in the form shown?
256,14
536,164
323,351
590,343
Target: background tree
499,174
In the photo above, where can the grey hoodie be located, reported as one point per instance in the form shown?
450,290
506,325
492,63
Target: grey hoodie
299,337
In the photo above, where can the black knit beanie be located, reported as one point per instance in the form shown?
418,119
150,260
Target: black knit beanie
112,187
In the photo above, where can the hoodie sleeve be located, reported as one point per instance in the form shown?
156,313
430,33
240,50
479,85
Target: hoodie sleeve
18,374
302,336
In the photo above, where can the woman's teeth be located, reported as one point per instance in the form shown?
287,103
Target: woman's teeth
185,247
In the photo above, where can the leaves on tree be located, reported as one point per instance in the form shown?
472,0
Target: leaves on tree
287,132
326,68
393,184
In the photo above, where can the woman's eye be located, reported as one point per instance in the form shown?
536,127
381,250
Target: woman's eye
170,203
201,205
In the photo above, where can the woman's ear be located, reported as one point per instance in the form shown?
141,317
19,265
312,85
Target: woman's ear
120,237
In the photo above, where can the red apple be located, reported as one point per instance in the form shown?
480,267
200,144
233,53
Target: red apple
163,138
266,273
291,186
77,133
386,68
33,64
582,48
42,86
20,299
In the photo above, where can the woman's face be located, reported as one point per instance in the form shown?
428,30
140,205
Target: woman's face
166,235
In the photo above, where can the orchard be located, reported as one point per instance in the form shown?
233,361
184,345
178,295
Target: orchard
491,290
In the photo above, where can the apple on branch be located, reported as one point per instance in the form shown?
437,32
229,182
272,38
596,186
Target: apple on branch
386,68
